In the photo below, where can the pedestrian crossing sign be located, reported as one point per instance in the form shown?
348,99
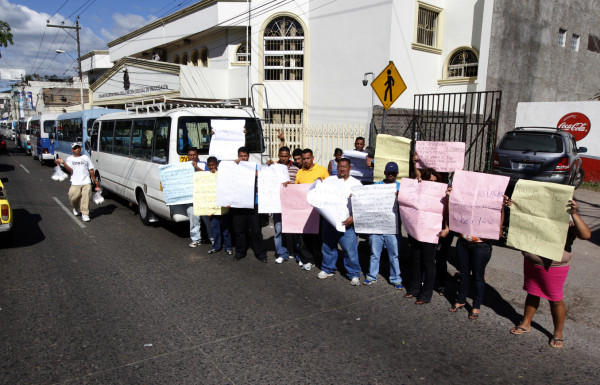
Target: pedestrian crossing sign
388,85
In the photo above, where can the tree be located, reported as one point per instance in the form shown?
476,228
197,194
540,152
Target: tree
5,35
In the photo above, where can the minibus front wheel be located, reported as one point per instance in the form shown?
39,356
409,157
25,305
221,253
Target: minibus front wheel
146,215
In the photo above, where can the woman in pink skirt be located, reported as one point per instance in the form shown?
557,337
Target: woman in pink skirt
545,278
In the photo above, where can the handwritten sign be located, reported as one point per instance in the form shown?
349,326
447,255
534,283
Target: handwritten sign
374,209
228,136
476,203
205,194
297,215
235,184
422,208
270,179
539,218
331,201
358,161
177,180
441,156
391,149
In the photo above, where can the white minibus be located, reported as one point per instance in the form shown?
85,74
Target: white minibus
129,147
42,139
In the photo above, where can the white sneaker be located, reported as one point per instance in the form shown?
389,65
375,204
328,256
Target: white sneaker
307,266
323,274
280,260
85,218
75,212
300,263
194,244
355,281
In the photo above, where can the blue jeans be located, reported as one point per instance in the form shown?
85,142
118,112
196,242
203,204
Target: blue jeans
280,249
195,233
349,243
472,257
220,225
377,241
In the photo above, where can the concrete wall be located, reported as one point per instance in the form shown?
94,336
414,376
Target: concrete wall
525,61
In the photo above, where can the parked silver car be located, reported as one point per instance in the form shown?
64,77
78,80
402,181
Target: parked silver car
543,154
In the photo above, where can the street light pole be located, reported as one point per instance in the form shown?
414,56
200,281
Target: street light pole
76,28
365,82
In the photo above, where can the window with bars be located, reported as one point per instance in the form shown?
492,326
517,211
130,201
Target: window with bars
427,26
575,42
284,49
593,43
562,35
462,64
281,116
242,55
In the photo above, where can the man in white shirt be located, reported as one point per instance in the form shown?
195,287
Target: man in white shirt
347,239
81,169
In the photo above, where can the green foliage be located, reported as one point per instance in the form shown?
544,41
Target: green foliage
6,37
594,186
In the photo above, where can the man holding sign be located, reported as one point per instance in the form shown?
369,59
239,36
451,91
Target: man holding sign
347,240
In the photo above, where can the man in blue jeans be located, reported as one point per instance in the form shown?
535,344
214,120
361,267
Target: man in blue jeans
390,241
347,239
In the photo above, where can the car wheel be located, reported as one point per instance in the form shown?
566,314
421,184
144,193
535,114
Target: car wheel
144,210
579,177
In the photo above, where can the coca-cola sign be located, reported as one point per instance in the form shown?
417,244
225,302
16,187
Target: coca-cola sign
576,123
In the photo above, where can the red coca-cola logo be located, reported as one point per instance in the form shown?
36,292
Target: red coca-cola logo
576,123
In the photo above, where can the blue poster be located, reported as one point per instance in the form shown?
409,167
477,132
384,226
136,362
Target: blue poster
177,180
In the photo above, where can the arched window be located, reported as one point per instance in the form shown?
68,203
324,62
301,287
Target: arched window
242,55
284,49
176,59
195,57
462,64
204,57
184,58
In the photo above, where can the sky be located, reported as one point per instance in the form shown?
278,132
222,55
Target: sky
101,20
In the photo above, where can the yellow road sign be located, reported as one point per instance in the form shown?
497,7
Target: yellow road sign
388,85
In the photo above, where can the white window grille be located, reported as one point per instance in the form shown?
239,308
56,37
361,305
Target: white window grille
242,55
462,64
284,49
562,35
281,116
575,42
427,26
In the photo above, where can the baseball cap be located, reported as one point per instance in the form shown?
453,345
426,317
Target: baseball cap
391,167
75,144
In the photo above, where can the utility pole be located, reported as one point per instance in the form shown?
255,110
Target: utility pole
76,28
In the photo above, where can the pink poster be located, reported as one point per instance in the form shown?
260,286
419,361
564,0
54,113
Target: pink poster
441,156
421,206
476,203
297,215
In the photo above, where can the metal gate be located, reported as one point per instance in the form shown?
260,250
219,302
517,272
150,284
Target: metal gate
470,117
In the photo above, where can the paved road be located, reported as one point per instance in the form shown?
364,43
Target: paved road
114,302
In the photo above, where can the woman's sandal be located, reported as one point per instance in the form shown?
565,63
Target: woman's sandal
455,308
519,330
554,340
473,316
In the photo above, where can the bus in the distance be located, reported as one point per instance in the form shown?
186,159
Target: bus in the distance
42,137
76,127
129,148
23,138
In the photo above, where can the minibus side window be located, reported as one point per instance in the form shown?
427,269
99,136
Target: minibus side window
161,140
106,136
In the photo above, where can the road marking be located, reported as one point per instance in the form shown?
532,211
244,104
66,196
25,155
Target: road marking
69,213
26,170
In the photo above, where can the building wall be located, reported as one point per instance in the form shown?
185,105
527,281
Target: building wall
355,37
525,61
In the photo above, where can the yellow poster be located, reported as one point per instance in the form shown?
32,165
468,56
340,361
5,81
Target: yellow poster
391,149
539,218
205,194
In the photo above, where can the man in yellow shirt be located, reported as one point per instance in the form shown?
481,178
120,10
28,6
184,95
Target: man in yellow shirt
311,243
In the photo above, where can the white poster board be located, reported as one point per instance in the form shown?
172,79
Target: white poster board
374,209
235,184
270,178
228,136
331,202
